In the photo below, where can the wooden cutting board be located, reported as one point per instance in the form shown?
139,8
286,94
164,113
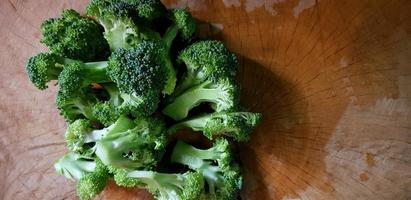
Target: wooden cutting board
332,78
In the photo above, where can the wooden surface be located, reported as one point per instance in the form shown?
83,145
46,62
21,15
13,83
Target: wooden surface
333,79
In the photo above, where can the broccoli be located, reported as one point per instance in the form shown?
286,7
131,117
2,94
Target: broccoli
223,95
120,30
167,186
216,164
105,112
148,9
139,147
238,125
91,174
75,37
45,67
81,137
184,24
76,106
136,72
206,60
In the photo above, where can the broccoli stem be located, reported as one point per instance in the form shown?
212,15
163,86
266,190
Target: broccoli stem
85,108
74,168
96,71
114,93
197,124
185,102
186,154
170,35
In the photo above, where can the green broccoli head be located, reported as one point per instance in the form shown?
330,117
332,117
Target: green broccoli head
91,174
163,186
238,125
223,179
206,60
76,133
106,112
43,68
137,69
75,37
148,9
139,147
77,105
116,17
222,95
184,21
140,76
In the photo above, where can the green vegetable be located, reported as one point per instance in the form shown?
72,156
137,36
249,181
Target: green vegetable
222,176
238,125
91,174
76,37
222,95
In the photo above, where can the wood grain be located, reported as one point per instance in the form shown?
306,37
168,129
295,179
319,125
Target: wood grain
332,78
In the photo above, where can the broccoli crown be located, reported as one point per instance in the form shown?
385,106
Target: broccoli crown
137,69
120,30
76,133
106,112
223,180
148,9
222,95
74,36
77,105
184,22
207,60
44,67
163,186
139,147
238,125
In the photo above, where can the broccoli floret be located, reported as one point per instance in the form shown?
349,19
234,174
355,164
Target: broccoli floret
117,19
206,60
75,37
91,174
223,180
148,9
76,106
140,147
81,137
45,67
223,95
238,125
105,112
120,176
137,73
165,186
183,24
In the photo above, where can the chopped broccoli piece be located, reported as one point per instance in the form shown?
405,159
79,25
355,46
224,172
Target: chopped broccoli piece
75,37
91,174
223,180
238,125
117,19
148,9
183,24
105,112
139,147
137,73
81,137
165,186
45,67
120,176
206,60
223,95
76,106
